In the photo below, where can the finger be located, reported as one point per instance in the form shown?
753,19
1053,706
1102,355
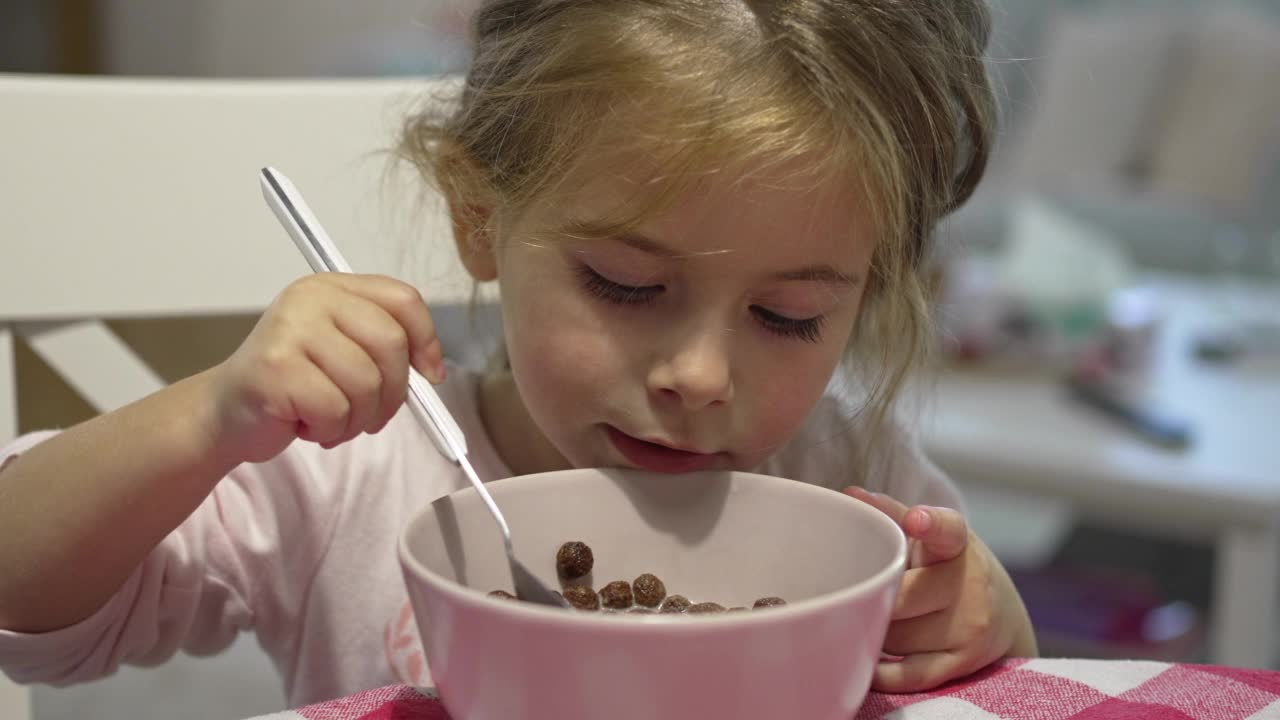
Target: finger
934,632
355,374
433,358
928,589
896,511
385,342
404,303
885,504
320,407
924,671
942,532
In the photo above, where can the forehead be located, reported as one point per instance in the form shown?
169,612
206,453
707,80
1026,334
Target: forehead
777,209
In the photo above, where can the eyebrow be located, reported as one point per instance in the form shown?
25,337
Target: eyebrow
818,273
809,273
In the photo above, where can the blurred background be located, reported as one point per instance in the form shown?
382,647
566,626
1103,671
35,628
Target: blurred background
1109,301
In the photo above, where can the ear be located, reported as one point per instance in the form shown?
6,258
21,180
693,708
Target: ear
473,238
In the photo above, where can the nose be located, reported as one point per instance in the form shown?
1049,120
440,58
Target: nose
695,370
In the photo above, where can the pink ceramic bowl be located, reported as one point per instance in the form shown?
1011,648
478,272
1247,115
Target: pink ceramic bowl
723,537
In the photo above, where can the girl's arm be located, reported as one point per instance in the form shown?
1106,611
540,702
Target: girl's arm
329,360
81,510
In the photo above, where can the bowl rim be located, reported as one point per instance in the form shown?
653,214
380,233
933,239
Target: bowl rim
647,623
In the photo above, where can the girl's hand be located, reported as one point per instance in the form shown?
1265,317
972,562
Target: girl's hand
327,361
957,610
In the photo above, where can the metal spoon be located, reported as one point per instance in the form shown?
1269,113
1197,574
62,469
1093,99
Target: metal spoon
291,210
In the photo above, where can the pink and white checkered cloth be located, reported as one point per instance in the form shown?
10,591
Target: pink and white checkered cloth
1041,689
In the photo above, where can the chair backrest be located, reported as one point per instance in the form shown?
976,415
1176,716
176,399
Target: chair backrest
126,197
139,197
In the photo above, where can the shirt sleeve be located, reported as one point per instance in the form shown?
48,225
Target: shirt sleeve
835,448
243,558
907,475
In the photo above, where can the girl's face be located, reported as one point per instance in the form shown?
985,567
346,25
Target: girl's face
698,342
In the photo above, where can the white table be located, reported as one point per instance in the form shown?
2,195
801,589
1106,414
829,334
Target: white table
1022,433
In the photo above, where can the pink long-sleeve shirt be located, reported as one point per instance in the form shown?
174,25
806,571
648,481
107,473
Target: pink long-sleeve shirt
301,550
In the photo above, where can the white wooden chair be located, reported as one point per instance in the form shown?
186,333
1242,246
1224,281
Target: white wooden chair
139,198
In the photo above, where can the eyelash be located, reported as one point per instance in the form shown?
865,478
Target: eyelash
617,293
808,329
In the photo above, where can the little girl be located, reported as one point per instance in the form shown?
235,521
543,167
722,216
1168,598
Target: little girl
705,217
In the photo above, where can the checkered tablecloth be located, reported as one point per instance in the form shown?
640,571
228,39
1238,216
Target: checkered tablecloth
1041,689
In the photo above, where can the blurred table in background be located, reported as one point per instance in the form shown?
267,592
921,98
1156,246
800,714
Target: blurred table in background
1023,433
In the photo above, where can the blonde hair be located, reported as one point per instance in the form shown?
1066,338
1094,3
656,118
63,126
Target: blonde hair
893,93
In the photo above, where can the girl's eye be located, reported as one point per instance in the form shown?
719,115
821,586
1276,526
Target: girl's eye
808,329
610,291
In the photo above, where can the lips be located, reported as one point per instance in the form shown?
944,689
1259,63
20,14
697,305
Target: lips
659,458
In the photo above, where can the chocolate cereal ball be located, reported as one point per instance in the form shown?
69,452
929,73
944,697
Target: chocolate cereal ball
767,602
574,559
649,590
704,608
502,595
582,597
675,604
616,594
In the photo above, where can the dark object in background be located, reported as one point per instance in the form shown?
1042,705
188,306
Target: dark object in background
1227,345
65,36
1086,612
1110,592
1148,422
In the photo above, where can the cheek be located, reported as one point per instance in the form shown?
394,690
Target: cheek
780,405
784,393
560,359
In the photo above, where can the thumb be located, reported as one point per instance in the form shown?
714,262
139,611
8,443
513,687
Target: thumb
940,533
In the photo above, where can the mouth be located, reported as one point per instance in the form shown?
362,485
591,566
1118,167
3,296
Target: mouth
658,456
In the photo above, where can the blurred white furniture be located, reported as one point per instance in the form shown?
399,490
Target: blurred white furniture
1022,434
1171,103
139,198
